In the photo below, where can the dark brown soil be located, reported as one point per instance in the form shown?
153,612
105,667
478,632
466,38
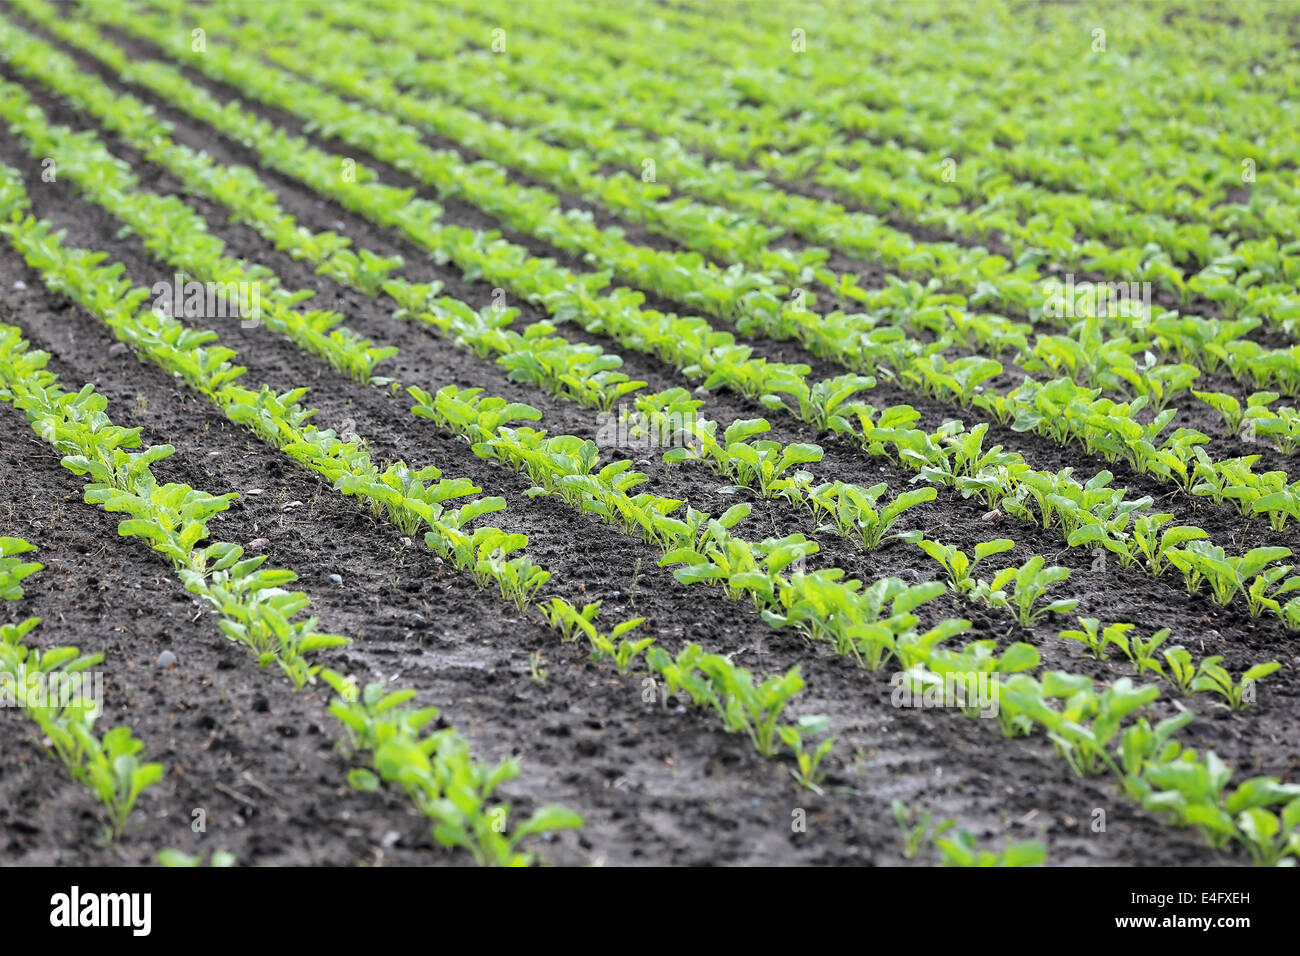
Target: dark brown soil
655,785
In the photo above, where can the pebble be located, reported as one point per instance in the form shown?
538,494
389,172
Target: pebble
337,579
257,544
390,839
166,660
291,504
20,285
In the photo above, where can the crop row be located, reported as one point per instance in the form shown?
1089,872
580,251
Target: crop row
54,689
878,174
755,464
400,493
709,684
804,758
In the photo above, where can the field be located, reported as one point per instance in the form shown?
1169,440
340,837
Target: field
670,433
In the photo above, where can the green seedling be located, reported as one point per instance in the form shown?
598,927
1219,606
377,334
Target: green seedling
807,769
962,849
1211,677
14,571
854,514
958,565
918,833
176,858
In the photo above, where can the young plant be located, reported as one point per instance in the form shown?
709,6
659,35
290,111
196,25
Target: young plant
1097,640
960,566
1262,595
756,709
14,571
438,773
807,763
535,669
1141,745
854,514
1084,725
1268,837
1155,546
1182,669
175,858
1226,575
1143,653
110,766
1212,677
1029,583
962,849
570,621
714,681
918,834
1193,791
